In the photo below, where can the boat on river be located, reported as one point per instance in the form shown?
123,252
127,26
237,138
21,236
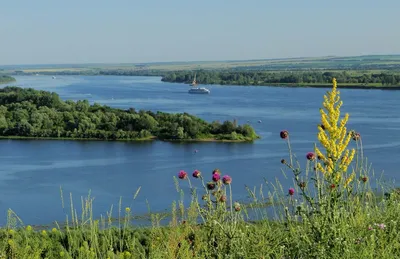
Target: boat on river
197,90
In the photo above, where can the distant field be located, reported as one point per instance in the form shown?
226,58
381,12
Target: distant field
358,63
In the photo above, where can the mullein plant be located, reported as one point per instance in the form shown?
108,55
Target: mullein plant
326,187
332,158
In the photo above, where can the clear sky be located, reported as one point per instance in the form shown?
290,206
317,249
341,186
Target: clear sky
131,31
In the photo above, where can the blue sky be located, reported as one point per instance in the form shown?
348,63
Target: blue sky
122,31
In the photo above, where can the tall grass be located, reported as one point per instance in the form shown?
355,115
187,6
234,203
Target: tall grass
330,211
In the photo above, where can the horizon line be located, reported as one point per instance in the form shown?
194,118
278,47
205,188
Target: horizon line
197,61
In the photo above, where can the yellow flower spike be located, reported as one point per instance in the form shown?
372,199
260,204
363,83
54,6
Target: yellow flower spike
333,137
337,178
320,168
319,154
349,180
351,157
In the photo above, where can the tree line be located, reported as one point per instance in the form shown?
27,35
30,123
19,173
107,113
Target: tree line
281,77
33,113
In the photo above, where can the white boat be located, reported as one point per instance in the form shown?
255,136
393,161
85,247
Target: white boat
197,90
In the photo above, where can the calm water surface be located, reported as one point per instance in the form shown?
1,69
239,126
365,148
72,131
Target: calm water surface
33,171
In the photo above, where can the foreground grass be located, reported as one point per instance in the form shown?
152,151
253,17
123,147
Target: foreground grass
330,212
366,229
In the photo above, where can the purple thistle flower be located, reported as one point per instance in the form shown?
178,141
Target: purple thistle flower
196,174
284,134
216,171
291,191
210,186
182,175
310,156
216,177
226,179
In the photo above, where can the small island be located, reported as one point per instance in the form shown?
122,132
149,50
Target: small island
29,113
319,79
4,79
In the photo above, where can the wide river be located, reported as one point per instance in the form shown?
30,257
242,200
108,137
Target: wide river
33,171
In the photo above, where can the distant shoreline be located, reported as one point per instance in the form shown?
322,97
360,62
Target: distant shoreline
288,85
339,86
149,139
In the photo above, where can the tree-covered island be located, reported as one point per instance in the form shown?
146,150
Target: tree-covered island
6,79
29,113
349,79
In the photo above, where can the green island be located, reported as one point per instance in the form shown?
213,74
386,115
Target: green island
29,113
4,79
334,208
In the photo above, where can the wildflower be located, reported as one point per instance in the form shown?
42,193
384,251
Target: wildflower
196,174
370,228
11,231
226,179
284,134
127,254
364,179
355,136
44,233
349,180
210,186
62,253
216,177
217,193
127,209
236,206
222,198
204,197
28,228
283,161
216,171
381,226
54,230
310,156
333,186
358,241
334,138
182,175
291,191
302,185
10,242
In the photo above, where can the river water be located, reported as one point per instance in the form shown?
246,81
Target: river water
33,171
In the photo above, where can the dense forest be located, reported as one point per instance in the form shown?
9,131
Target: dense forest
276,78
33,113
6,79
